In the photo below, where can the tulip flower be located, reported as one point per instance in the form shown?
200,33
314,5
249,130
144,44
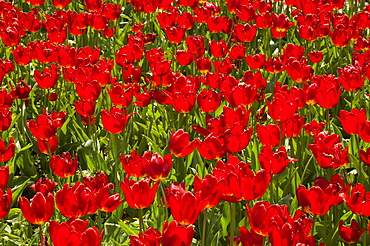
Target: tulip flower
350,77
237,52
107,203
63,166
74,232
150,237
22,90
293,126
314,127
133,164
329,90
365,156
256,61
327,150
40,210
88,90
209,188
6,99
209,100
350,234
4,177
74,201
218,49
121,95
353,122
61,4
179,143
315,56
175,234
283,106
5,203
6,152
211,148
5,119
44,186
22,56
315,200
48,79
274,161
157,167
335,186
186,207
250,238
49,146
260,216
115,120
139,194
97,182
269,135
358,200
244,33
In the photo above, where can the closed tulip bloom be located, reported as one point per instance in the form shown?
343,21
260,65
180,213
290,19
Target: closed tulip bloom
121,95
63,166
139,194
350,234
211,148
115,120
218,49
40,210
49,146
329,90
179,143
5,203
176,234
97,182
74,232
209,100
74,201
133,164
283,106
269,135
353,122
157,167
4,177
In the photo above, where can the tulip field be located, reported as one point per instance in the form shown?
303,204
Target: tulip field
184,122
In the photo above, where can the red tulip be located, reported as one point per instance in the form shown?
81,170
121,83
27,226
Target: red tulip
350,77
327,150
6,152
97,182
150,237
5,119
244,33
274,161
209,188
139,194
358,200
4,177
157,167
315,56
74,232
209,100
353,122
329,90
179,143
48,79
63,166
5,203
350,234
315,200
283,106
40,210
250,238
115,120
186,207
175,234
74,201
44,186
61,4
133,164
365,156
269,135
218,49
49,146
106,202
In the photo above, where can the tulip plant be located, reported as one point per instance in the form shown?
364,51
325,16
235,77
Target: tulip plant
184,122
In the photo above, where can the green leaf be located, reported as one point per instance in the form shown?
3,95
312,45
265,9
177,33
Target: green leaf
17,191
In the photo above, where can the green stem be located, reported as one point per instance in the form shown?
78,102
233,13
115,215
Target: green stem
327,120
141,223
41,236
313,225
232,223
204,236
